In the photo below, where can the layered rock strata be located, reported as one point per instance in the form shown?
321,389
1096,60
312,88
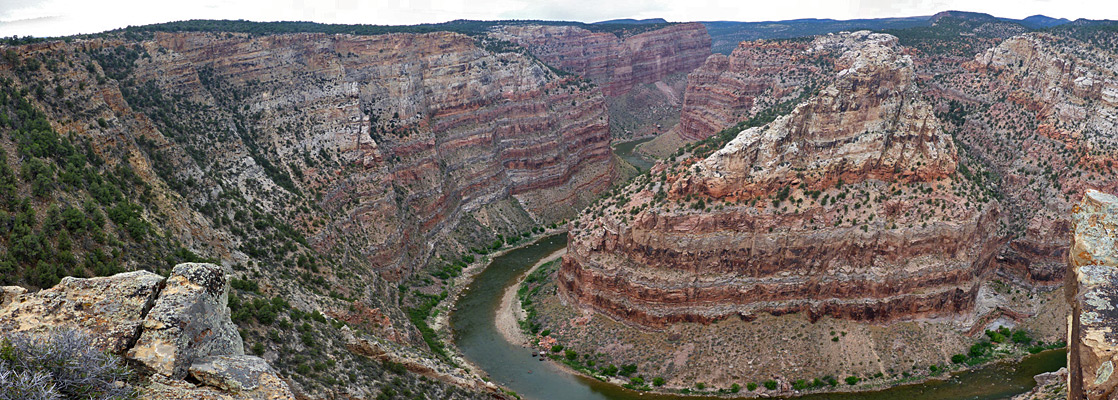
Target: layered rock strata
1092,290
755,76
1044,116
850,206
401,139
168,326
614,63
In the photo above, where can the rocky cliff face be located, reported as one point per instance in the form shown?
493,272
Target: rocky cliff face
428,125
1038,110
616,64
170,327
330,170
850,206
755,76
1091,289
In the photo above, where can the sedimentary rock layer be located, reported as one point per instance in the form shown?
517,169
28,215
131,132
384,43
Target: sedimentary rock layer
850,206
616,64
758,74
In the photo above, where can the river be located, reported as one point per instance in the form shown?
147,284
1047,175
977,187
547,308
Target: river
512,366
625,151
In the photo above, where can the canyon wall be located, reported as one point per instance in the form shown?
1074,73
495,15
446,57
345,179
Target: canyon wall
1039,110
1091,290
850,206
616,64
434,127
395,138
756,75
327,172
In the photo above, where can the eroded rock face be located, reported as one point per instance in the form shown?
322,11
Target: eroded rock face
109,309
1061,95
870,124
759,74
1092,290
616,64
424,129
849,206
188,322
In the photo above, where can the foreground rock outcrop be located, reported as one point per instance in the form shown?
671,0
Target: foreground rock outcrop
168,327
1092,290
850,206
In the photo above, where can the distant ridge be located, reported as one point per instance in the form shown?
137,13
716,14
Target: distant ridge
1042,21
623,21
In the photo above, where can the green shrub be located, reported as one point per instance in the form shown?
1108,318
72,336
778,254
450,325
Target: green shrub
770,384
609,370
628,369
556,348
958,358
735,388
571,355
979,349
700,385
852,380
751,386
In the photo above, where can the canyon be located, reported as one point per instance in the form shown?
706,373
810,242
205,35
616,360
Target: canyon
854,204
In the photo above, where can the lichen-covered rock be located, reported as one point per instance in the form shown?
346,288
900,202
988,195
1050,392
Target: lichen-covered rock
1092,290
188,321
247,376
109,309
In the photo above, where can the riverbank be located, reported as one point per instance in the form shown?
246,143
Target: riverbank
440,322
510,312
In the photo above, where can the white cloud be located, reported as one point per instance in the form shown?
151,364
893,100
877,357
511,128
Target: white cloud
65,17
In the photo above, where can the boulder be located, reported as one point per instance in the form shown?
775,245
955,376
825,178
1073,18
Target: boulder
108,309
9,293
189,321
248,377
1092,290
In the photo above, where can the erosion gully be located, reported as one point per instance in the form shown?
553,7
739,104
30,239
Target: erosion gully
512,366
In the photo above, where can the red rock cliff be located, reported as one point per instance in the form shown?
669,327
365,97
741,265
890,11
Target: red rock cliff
615,64
728,89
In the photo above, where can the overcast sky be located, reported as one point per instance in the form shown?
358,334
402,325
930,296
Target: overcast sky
66,17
